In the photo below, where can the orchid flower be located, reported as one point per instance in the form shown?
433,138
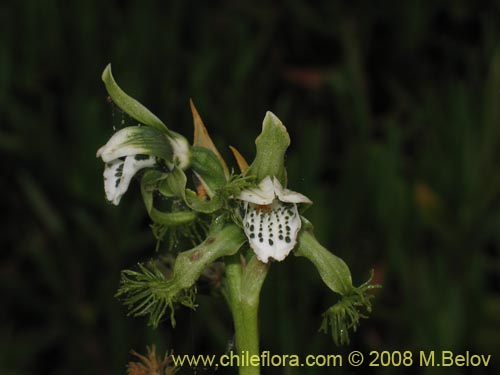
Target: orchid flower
241,222
137,147
271,220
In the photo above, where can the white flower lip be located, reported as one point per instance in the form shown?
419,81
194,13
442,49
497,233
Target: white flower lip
271,221
119,173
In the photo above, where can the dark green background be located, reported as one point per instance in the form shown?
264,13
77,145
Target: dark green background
394,112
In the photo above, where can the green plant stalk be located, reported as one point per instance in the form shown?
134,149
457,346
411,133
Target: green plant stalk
242,292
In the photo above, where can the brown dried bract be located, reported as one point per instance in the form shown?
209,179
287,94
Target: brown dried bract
151,364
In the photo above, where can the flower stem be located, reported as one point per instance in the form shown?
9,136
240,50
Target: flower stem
242,292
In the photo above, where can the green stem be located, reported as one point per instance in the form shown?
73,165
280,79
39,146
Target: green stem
242,292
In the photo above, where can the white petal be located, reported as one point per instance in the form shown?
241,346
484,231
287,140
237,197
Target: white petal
119,173
112,178
272,233
117,147
263,194
289,196
181,152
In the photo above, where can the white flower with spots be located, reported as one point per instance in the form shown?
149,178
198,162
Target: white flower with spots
270,218
134,148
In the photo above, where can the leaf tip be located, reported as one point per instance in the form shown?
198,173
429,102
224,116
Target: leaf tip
240,159
107,73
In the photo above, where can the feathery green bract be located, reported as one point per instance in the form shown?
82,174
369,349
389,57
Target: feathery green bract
346,314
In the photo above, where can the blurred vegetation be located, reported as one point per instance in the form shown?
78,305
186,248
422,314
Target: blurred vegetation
393,109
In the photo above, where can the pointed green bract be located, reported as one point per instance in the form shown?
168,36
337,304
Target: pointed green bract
128,104
271,146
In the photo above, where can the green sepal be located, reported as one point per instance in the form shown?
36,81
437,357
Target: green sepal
174,184
128,104
208,169
149,184
271,146
332,269
201,204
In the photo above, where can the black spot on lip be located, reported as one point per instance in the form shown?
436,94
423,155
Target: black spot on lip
252,235
287,239
261,239
252,228
141,157
271,242
280,237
